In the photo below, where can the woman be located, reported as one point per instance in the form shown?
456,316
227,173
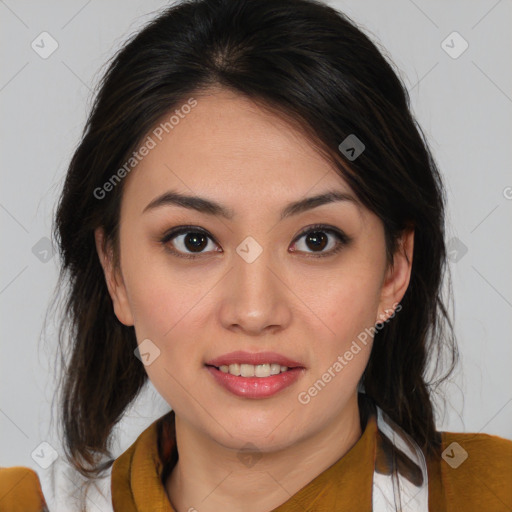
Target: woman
254,222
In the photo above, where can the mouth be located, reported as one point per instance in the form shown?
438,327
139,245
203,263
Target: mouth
254,375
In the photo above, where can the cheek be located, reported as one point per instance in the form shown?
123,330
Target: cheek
350,300
347,348
156,291
158,297
163,314
163,308
347,309
353,309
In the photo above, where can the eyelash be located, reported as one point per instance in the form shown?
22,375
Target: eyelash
342,241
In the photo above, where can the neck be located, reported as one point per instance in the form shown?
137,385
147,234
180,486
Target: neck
209,477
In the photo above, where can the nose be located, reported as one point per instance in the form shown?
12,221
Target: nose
255,297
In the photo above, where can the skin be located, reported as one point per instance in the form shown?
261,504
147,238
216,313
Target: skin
229,150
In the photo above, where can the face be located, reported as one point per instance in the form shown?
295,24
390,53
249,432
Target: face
301,282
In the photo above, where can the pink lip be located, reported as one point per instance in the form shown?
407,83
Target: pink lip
254,358
255,387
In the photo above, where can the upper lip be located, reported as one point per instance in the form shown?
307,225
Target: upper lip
254,358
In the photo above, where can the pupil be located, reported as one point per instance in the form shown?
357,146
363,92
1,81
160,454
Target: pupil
318,238
195,241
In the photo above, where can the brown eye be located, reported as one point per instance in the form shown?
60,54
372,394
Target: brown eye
317,238
188,242
195,242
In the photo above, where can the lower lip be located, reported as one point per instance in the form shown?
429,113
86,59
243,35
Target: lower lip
256,387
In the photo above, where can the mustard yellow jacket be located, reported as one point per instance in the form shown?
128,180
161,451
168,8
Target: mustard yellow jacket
481,483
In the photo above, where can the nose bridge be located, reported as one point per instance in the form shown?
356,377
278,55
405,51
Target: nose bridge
256,299
252,273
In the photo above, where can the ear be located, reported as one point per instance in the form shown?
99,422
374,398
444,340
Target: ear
397,277
114,279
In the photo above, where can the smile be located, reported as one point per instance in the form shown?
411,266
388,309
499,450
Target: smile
255,381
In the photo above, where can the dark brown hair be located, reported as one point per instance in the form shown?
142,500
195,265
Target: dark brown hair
310,64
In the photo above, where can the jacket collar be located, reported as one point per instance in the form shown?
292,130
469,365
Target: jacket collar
137,485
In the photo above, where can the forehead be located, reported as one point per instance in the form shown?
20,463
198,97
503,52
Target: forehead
229,147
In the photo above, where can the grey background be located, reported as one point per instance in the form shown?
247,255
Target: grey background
463,104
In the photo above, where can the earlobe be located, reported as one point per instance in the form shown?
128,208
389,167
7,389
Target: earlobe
397,278
114,279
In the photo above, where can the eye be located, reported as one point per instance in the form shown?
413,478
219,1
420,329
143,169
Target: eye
317,238
187,238
191,241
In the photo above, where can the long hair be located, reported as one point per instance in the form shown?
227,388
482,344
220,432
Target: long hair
311,65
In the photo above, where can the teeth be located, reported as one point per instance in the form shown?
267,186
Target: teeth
250,370
247,370
234,369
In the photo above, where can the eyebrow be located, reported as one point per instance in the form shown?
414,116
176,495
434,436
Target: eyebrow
209,207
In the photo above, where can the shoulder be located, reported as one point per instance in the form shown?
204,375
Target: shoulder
489,455
474,472
20,489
